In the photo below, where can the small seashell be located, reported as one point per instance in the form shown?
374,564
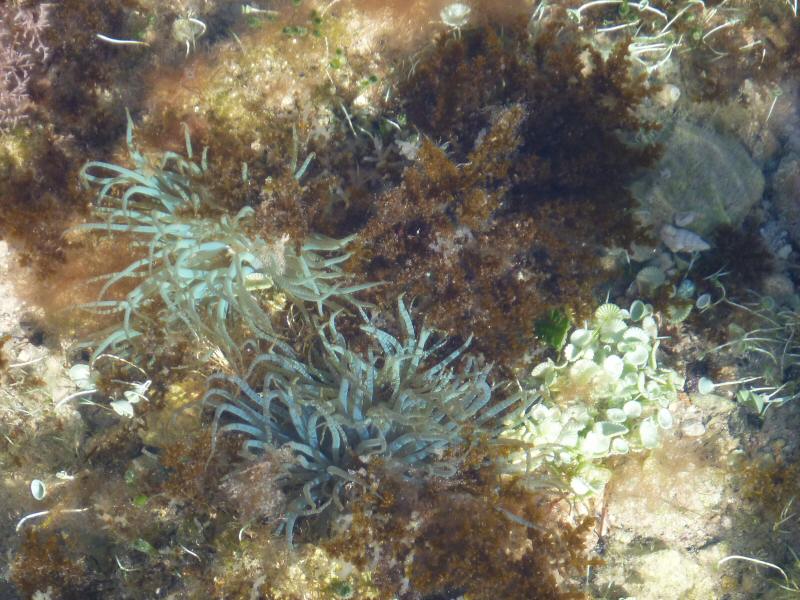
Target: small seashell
38,489
684,219
682,240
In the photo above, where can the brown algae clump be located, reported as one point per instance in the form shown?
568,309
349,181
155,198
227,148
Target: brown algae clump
482,228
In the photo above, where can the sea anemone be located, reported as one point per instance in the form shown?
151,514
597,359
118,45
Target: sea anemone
200,269
404,401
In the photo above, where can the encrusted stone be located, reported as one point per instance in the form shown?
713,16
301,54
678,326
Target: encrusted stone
702,172
786,186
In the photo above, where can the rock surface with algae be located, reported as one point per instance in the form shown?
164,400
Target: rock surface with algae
701,172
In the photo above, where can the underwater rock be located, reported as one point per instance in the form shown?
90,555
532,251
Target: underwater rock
786,187
702,172
780,287
671,573
682,240
693,428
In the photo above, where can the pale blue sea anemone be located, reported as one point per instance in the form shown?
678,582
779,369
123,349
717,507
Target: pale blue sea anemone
403,401
200,270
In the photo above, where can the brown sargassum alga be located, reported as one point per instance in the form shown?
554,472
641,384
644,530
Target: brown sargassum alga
518,184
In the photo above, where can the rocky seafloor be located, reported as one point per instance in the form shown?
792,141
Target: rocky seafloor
355,299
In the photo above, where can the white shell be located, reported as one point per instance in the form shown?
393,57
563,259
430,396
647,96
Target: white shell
682,240
38,489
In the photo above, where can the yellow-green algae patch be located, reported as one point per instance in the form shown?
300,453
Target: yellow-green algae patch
261,566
